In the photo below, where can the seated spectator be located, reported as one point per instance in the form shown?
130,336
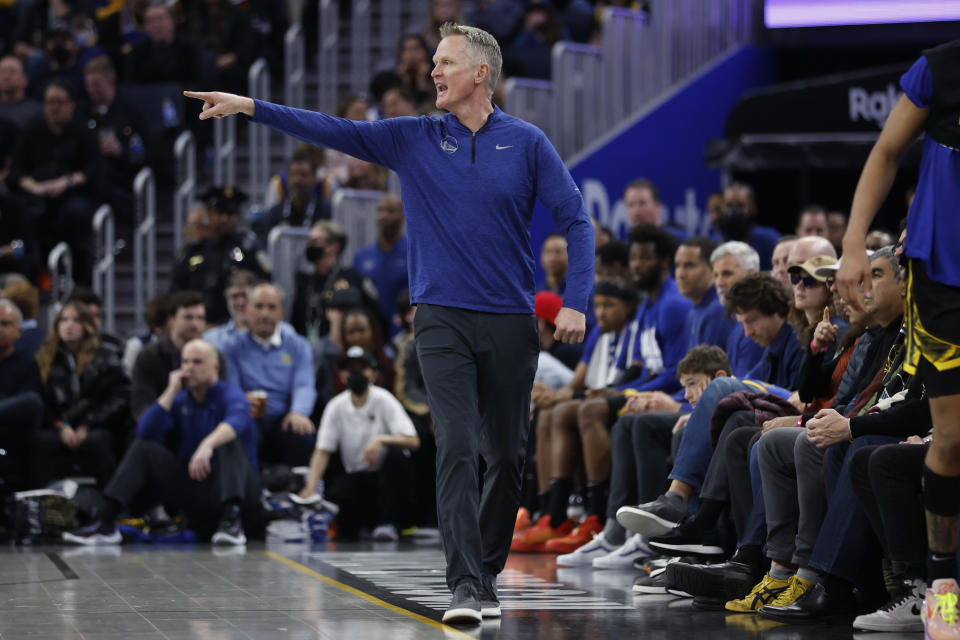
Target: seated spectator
21,402
357,327
95,304
877,239
303,203
237,293
223,32
365,175
206,265
370,430
499,18
440,11
66,49
278,190
15,106
812,221
57,166
399,102
529,54
384,262
553,261
158,318
836,227
731,262
151,370
413,68
27,298
120,131
612,260
642,200
781,259
120,26
556,423
707,322
211,469
640,445
321,277
268,358
86,397
810,292
737,221
165,55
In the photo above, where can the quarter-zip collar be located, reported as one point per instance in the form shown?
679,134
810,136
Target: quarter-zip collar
453,123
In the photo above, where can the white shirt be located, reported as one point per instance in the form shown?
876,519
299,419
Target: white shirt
347,428
552,371
275,340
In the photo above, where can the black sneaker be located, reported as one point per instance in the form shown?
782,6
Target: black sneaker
654,518
714,582
465,606
489,602
688,538
230,530
95,533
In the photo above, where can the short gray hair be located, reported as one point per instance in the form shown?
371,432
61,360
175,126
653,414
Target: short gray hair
7,302
746,255
480,46
887,252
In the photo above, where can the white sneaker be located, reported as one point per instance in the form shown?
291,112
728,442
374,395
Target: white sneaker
584,555
385,533
901,615
622,557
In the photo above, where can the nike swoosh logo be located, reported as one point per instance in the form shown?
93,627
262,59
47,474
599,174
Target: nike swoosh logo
499,148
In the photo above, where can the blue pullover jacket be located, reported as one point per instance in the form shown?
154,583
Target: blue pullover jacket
468,199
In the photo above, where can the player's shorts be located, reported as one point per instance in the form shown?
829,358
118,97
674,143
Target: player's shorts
933,332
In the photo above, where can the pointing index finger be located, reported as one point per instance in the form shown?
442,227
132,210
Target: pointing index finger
199,95
826,314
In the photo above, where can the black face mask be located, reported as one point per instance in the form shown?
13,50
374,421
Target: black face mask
357,383
60,55
734,223
314,253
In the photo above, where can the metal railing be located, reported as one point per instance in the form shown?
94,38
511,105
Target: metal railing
104,268
391,27
623,31
258,136
184,193
60,267
360,46
285,248
530,100
294,76
225,151
145,241
328,39
356,210
579,104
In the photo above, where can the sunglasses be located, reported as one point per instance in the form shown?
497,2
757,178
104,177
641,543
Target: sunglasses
808,281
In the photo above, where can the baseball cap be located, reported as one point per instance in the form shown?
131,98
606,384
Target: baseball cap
359,354
829,270
812,266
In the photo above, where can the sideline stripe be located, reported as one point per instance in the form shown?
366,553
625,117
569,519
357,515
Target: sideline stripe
450,631
61,564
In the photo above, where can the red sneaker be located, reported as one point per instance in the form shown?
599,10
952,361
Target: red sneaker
577,538
533,538
523,520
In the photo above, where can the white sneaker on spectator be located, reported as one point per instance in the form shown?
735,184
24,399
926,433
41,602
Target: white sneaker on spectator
95,533
902,614
385,533
584,555
622,557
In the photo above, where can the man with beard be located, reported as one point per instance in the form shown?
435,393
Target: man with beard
303,202
385,261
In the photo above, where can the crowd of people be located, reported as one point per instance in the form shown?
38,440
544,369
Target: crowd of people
728,407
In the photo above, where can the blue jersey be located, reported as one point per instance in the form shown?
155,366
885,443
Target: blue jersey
933,224
708,322
387,271
468,199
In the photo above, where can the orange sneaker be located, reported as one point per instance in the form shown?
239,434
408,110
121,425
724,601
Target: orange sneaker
577,538
523,520
533,538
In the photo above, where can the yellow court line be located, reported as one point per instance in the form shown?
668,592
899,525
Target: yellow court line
450,631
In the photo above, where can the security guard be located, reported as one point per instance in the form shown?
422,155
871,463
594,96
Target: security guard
205,265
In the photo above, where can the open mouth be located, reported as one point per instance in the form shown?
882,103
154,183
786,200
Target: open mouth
441,89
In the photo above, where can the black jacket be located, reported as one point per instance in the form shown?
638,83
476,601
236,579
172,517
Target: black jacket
99,397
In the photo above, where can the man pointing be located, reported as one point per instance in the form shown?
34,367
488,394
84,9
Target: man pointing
470,179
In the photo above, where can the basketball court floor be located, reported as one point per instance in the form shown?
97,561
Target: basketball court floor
362,591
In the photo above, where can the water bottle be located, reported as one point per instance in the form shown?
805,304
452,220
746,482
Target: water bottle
135,147
170,118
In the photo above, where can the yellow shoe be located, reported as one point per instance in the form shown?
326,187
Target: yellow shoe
797,587
766,592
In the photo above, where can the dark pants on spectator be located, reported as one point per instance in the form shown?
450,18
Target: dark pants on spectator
96,456
153,473
639,448
746,496
888,481
283,447
845,538
19,419
370,498
478,369
779,472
